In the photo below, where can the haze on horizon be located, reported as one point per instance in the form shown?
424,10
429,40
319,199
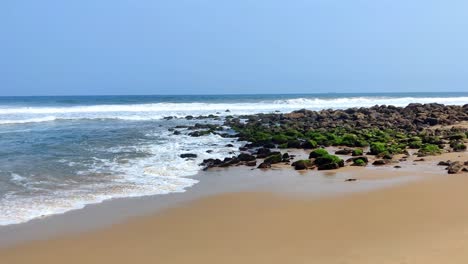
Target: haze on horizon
232,47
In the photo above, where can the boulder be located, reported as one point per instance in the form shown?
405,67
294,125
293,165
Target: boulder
246,157
353,159
328,166
263,153
188,155
345,151
251,163
444,163
455,167
264,165
302,165
276,158
381,162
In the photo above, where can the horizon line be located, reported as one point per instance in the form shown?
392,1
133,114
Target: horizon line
233,94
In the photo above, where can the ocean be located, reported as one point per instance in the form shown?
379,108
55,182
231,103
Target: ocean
61,153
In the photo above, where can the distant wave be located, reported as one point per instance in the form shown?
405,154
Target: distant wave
30,120
154,111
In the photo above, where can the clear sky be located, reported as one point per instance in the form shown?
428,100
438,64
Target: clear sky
237,46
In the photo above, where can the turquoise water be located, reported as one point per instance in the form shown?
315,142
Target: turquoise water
61,153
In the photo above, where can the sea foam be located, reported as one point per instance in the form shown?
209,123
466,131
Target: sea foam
157,111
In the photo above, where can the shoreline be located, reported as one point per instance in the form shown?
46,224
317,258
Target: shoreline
397,223
281,180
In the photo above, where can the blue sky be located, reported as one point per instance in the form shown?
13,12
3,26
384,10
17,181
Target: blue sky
214,46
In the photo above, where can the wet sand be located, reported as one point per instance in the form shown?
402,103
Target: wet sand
420,221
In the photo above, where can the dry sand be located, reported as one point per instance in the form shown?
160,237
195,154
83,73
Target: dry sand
419,222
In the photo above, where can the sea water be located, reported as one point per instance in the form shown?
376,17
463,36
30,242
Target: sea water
61,153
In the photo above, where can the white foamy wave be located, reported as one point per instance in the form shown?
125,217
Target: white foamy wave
156,111
339,103
163,171
30,120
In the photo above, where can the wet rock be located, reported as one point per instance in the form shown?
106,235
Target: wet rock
350,180
264,165
302,165
210,163
353,159
455,167
294,144
229,146
263,153
276,158
246,157
199,133
269,145
380,162
251,163
328,166
345,151
188,155
444,163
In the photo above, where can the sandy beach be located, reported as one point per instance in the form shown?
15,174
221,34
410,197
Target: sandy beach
422,221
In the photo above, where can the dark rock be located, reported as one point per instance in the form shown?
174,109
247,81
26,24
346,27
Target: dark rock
199,133
263,153
364,158
345,151
188,155
210,163
294,144
229,145
455,167
269,145
350,180
245,157
397,167
380,162
328,166
251,163
308,145
276,158
302,165
264,165
444,163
